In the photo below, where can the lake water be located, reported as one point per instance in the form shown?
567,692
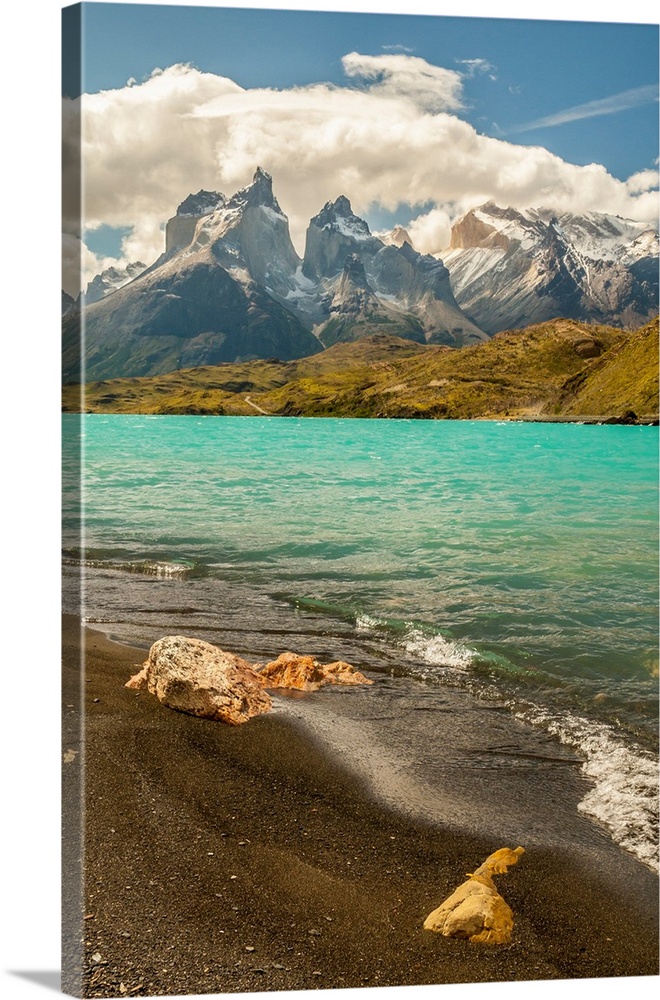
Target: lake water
517,561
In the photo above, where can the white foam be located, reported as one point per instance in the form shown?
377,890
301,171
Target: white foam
437,651
432,649
365,623
624,797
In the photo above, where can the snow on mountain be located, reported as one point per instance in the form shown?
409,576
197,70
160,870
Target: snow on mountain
230,286
511,268
217,297
200,204
332,236
180,229
396,237
109,281
416,285
355,311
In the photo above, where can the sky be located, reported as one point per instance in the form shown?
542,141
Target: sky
415,118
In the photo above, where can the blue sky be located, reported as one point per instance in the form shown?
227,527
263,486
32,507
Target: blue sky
539,67
523,109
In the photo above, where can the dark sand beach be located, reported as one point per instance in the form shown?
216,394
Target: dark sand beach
221,859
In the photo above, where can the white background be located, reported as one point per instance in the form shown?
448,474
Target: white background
30,359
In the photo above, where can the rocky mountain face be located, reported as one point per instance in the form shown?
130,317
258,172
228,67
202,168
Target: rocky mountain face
68,302
510,268
408,291
355,311
230,286
211,300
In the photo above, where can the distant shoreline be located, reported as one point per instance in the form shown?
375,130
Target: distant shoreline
594,421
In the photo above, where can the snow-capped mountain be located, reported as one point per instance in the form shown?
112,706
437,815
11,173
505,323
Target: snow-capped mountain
356,311
397,237
230,286
109,281
510,268
204,302
413,288
180,229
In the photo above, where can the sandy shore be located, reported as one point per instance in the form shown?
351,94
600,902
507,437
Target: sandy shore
222,859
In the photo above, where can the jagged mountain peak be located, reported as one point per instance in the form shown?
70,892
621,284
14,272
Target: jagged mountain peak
257,194
333,234
339,208
425,263
339,215
201,204
109,281
397,237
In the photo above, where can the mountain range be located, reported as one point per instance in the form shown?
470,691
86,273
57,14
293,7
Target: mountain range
230,286
511,268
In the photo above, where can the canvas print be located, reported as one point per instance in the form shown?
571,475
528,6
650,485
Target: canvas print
360,507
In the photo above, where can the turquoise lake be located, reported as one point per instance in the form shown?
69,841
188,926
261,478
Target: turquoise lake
517,560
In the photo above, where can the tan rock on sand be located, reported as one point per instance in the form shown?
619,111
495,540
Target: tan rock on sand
195,677
476,910
306,674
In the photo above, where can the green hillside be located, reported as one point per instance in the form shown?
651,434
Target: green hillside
552,370
626,378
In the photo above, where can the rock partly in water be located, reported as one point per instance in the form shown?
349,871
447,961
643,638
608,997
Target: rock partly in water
476,910
195,677
306,674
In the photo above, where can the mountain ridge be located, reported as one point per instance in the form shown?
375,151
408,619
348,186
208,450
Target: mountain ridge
513,268
230,285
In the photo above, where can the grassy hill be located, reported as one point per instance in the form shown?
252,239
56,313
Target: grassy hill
552,370
624,378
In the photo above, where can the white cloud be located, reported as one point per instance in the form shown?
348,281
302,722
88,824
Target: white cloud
147,146
474,66
431,232
645,180
396,48
431,88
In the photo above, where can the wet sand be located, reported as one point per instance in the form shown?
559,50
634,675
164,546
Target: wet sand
266,857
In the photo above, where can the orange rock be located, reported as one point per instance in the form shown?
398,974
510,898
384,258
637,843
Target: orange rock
306,674
476,910
195,677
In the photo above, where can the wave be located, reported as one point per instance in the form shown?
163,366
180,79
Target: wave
624,797
144,567
434,649
624,776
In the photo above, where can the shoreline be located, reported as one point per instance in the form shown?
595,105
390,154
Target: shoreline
590,420
229,859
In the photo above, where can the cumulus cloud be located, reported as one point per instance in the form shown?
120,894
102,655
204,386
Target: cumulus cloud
392,136
645,180
431,232
406,77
